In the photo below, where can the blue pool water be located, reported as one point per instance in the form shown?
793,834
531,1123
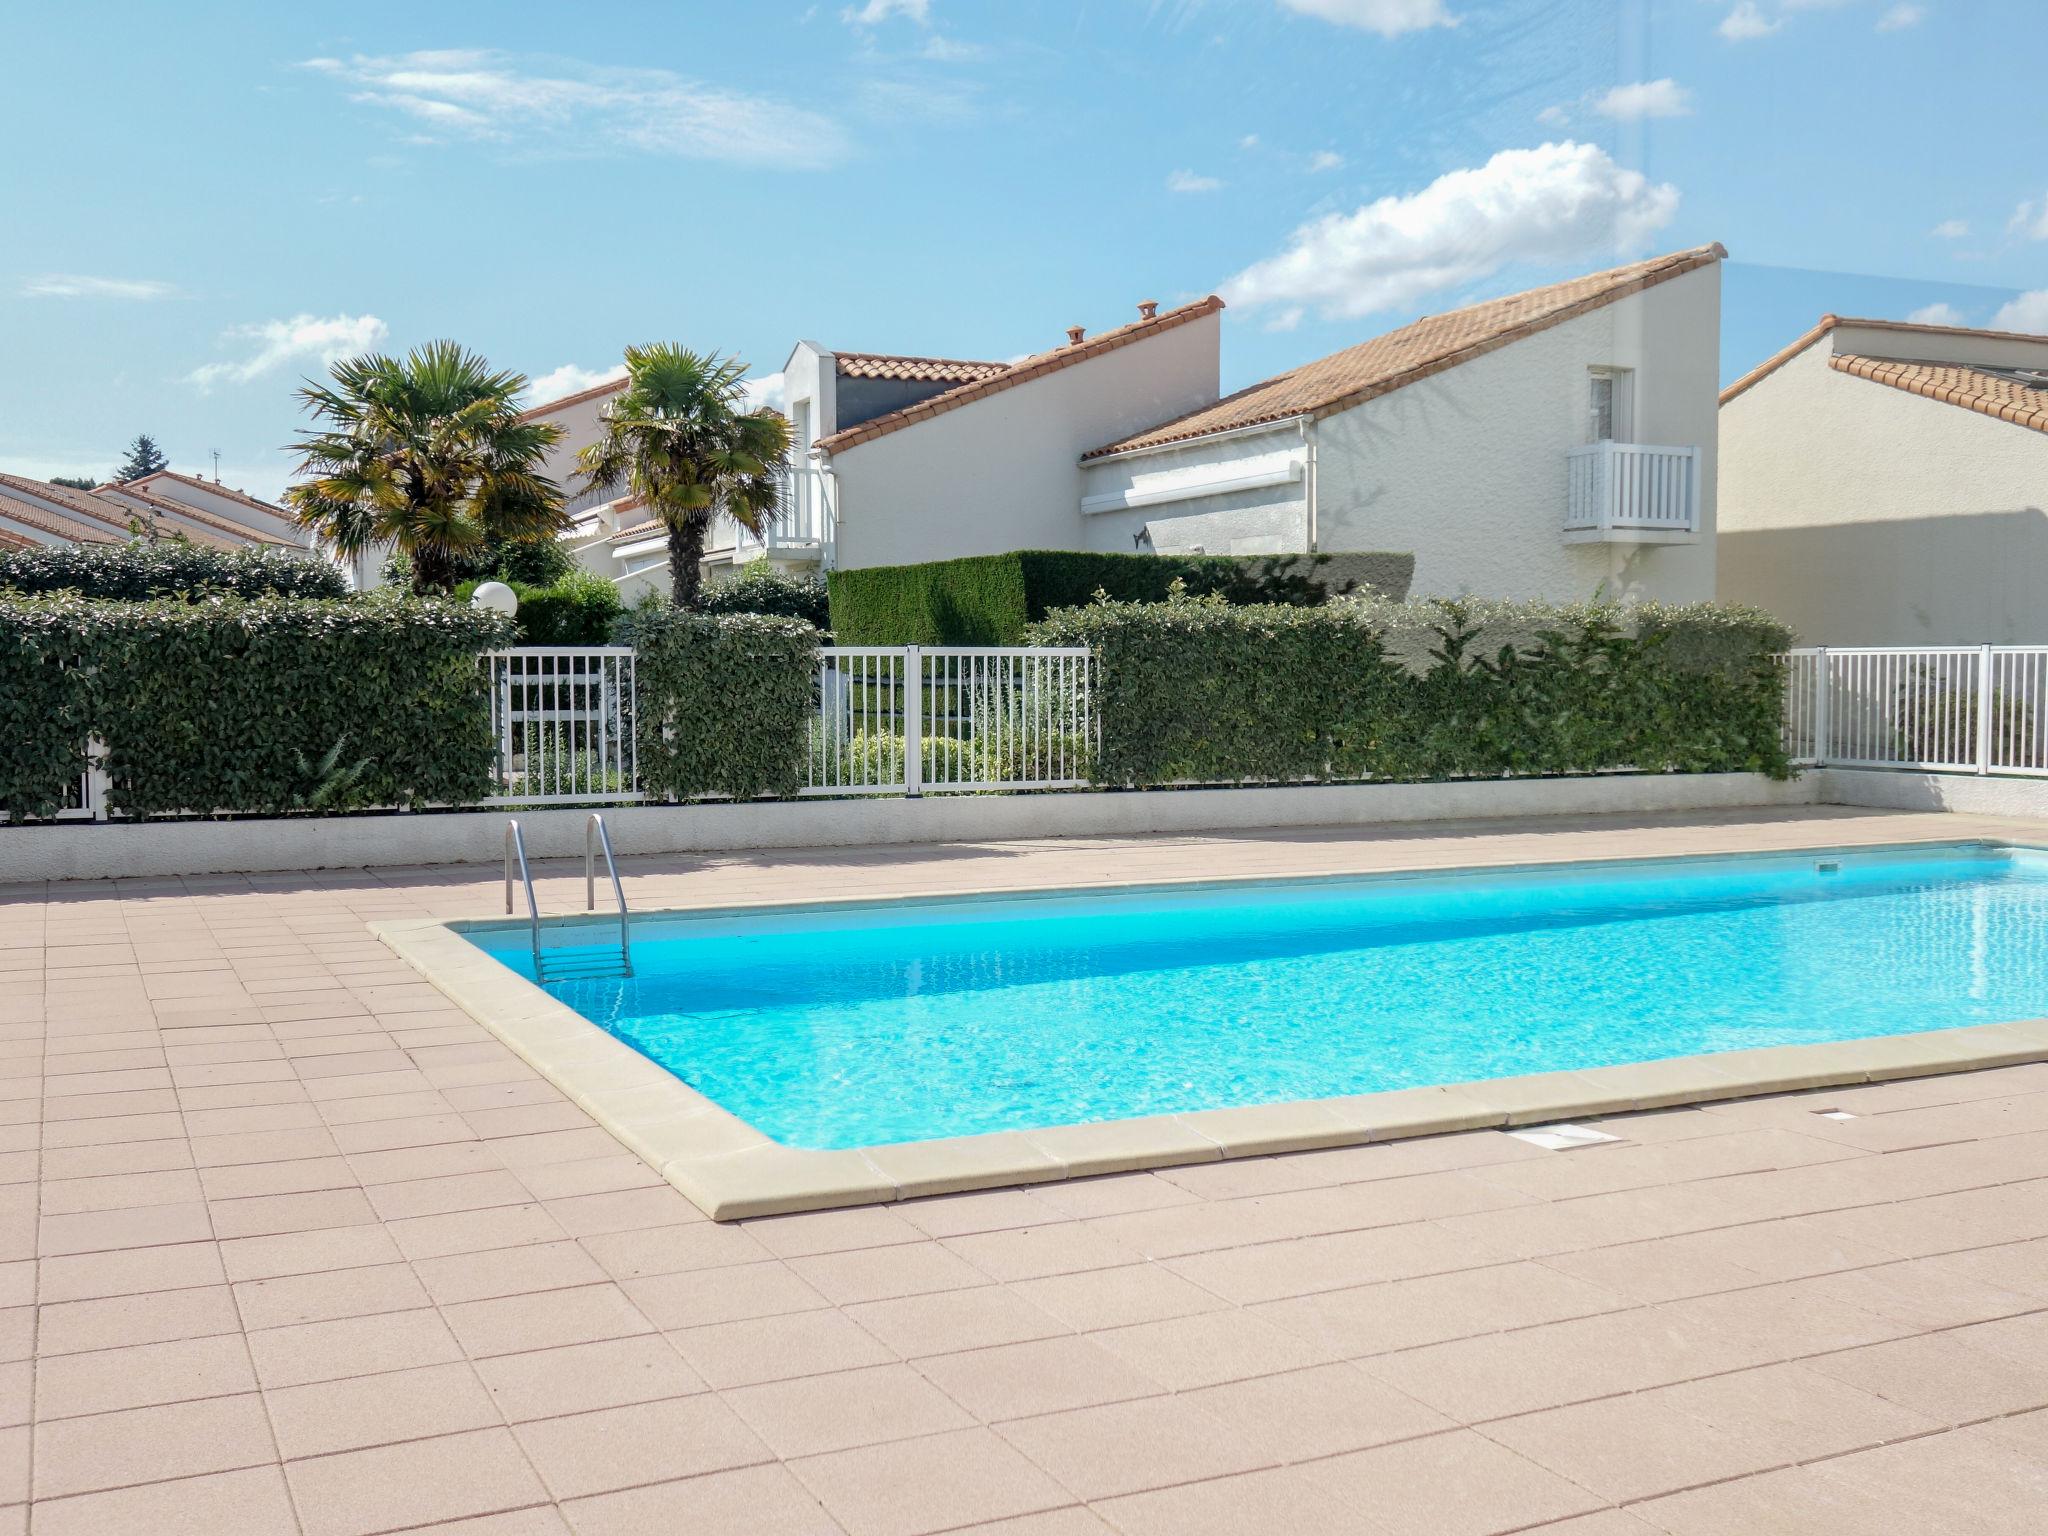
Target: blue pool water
847,1027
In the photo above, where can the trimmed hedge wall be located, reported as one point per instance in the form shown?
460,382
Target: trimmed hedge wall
267,706
992,599
1197,691
144,569
725,702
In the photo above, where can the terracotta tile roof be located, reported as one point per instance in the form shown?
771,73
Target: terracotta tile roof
215,488
595,392
946,370
87,507
236,533
1013,374
1414,352
1779,359
76,530
652,526
1975,389
11,541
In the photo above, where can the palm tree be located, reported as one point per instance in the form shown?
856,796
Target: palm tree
427,452
679,436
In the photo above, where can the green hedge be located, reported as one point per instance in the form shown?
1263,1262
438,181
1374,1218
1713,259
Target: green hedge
1197,691
725,702
759,588
581,608
229,705
991,599
144,569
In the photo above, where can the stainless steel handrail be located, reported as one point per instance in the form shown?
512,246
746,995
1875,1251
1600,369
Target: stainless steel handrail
595,826
515,846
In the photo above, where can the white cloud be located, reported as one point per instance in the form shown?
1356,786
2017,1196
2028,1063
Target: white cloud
1286,320
1951,229
1553,117
1937,314
1646,98
1249,141
1189,181
2028,312
947,50
1899,17
875,12
1326,160
1746,23
301,339
767,389
72,285
2030,220
1389,18
1555,203
570,380
570,107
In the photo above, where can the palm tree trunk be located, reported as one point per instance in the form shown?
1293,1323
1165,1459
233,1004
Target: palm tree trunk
433,570
686,560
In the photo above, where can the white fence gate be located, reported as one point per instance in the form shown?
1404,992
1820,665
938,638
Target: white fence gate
563,720
895,720
1938,709
911,720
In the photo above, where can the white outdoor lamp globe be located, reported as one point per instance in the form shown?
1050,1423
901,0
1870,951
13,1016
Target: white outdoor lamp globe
497,597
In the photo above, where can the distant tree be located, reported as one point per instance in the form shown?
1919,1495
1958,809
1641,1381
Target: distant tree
427,451
679,436
76,482
144,458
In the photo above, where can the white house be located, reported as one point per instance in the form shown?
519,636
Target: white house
1553,443
1883,483
164,503
1556,443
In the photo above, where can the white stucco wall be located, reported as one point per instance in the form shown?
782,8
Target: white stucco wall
1266,520
1863,515
1466,469
1004,472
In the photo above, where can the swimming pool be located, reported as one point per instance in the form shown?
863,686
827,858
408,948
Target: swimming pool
854,1025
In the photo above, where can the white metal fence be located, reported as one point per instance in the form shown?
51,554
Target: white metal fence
563,720
910,720
1939,709
888,720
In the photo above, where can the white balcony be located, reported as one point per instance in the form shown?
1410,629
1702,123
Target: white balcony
1632,493
802,526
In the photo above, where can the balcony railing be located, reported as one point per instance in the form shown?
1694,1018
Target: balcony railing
802,524
1632,493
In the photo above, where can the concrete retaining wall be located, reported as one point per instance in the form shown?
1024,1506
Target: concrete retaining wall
1893,791
88,851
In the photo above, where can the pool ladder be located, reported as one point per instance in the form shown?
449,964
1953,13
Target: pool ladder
595,835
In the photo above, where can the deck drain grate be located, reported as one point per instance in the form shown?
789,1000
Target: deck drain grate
1561,1138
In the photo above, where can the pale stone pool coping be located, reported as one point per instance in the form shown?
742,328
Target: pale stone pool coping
730,1170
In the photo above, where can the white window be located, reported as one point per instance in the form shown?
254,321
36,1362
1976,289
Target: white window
1608,419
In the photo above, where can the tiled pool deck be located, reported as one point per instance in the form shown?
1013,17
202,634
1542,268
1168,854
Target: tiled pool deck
291,1244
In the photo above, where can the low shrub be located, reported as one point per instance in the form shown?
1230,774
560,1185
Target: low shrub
143,569
992,599
266,706
724,701
1194,690
759,588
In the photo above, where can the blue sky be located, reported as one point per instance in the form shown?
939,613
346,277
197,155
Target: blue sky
207,201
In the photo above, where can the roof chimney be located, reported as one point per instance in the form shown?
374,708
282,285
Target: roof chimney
1074,335
1148,309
